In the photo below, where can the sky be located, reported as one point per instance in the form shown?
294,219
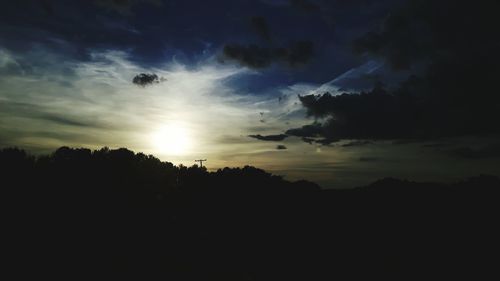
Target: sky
341,93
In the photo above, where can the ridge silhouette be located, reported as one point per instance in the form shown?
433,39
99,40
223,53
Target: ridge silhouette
120,214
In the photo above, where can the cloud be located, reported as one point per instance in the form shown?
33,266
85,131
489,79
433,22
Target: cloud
357,143
483,152
281,147
120,6
304,5
47,7
11,65
307,131
361,78
254,56
63,120
453,92
145,79
420,108
39,112
308,140
260,26
436,145
418,31
101,103
315,132
406,35
124,7
327,141
372,115
369,159
278,3
269,137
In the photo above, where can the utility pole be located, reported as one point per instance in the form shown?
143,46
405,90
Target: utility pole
201,162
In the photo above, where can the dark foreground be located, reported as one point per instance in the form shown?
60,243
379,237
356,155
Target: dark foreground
116,214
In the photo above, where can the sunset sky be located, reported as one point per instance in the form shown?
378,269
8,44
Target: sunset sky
229,74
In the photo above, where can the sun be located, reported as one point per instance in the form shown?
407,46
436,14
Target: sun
172,139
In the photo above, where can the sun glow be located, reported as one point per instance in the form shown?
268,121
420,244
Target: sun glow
173,139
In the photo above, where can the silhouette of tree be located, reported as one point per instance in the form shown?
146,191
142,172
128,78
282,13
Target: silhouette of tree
120,213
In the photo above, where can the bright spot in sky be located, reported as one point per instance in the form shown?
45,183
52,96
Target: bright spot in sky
172,139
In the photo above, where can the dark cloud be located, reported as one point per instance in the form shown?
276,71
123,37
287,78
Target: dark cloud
454,94
357,143
308,140
372,115
260,26
357,116
416,110
281,147
436,145
254,56
425,30
269,137
14,68
304,5
311,133
12,137
407,141
434,30
63,120
47,7
327,141
300,52
33,111
307,131
404,37
124,7
483,152
119,6
146,79
369,159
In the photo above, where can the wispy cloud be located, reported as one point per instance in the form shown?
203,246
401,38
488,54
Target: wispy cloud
59,101
99,98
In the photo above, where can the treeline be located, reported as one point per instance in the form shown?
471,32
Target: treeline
115,213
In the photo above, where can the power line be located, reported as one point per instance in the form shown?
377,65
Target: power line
201,162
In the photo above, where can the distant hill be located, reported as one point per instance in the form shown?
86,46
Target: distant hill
115,213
